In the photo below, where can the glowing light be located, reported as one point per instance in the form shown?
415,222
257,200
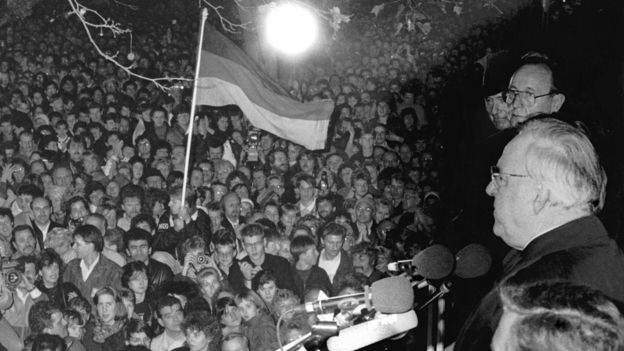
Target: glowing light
291,29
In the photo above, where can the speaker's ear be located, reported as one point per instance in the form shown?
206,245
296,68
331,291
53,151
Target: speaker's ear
542,198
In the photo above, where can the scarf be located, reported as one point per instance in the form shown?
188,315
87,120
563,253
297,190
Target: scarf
102,331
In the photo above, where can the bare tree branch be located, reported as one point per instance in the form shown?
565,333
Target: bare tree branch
107,24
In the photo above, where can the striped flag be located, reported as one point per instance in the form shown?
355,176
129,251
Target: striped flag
228,76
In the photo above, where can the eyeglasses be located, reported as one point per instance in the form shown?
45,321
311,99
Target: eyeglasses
500,178
527,98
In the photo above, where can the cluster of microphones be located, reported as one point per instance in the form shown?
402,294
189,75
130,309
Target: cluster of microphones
392,299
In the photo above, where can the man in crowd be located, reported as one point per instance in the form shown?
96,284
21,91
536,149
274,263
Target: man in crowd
256,260
332,258
547,187
138,244
169,315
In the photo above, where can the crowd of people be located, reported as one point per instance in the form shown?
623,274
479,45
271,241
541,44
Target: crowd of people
101,250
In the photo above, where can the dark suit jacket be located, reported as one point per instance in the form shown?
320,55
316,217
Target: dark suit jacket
344,267
580,252
316,279
39,234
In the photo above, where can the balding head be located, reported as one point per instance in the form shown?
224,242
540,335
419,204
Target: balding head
536,79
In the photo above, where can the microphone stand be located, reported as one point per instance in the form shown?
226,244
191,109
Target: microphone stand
445,288
322,329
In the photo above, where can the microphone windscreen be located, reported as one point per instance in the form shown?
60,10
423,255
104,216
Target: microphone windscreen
434,262
392,295
473,261
367,333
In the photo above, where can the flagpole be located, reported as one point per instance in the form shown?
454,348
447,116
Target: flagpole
204,16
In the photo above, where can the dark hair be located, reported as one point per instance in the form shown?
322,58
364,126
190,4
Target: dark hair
204,322
90,234
222,304
130,190
300,244
333,229
263,277
21,228
48,257
224,237
40,316
137,234
130,269
252,230
166,301
136,325
143,218
48,342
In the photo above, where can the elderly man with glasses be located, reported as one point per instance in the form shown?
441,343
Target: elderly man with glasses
532,91
548,186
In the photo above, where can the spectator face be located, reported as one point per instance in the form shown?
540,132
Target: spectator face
277,186
207,172
197,340
293,152
139,339
259,180
267,291
139,250
75,151
254,246
281,161
154,182
223,123
223,171
288,218
83,248
144,147
231,317
209,286
58,325
215,153
124,125
172,317
537,80
232,207
105,308
310,256
334,162
131,206
26,144
382,212
138,283
6,128
361,187
390,159
24,243
499,111
41,211
307,191
364,213
225,254
159,118
362,264
332,245
50,274
6,226
325,208
248,309
219,191
306,163
183,119
345,175
272,213
405,153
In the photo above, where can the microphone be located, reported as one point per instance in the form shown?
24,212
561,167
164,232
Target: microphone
435,262
382,327
473,261
388,295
